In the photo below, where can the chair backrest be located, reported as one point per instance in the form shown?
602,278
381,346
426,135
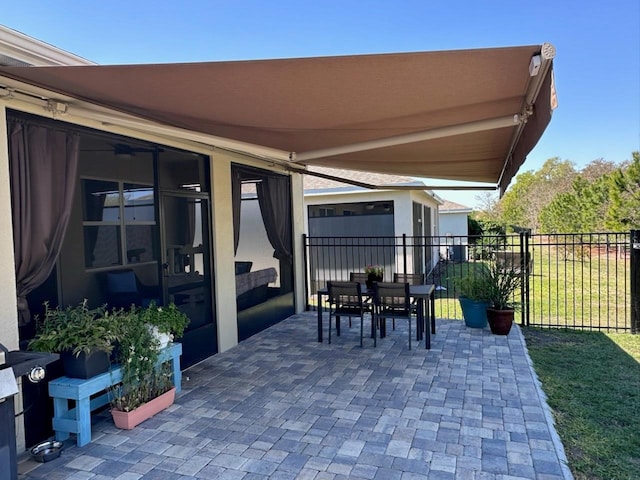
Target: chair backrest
410,278
358,277
122,281
392,297
341,293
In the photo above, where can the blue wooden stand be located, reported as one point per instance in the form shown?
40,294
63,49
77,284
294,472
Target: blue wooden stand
78,419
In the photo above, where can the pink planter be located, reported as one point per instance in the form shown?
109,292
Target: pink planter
128,420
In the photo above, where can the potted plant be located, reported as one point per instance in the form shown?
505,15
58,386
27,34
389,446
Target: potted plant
503,283
474,297
83,337
146,388
375,273
167,323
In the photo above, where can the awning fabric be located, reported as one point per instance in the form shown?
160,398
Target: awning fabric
308,104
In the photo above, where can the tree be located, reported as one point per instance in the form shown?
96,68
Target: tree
624,189
580,210
521,205
488,206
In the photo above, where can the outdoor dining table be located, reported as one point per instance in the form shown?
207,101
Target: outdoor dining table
422,293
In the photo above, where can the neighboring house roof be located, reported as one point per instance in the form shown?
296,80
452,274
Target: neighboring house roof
313,184
452,207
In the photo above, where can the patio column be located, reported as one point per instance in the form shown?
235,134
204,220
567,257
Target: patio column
8,307
223,250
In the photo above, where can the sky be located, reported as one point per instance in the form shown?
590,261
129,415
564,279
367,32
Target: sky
597,64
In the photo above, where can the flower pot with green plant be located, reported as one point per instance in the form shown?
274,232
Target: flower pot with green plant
83,337
503,283
474,290
145,388
375,273
166,322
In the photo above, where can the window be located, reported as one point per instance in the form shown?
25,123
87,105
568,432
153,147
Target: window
119,223
351,209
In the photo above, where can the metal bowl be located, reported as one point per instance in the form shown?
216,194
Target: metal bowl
46,451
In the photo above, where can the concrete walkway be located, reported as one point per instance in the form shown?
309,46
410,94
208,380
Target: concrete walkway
282,406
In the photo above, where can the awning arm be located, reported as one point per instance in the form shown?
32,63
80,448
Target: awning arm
452,130
538,70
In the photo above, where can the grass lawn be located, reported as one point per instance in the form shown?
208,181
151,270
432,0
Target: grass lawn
592,381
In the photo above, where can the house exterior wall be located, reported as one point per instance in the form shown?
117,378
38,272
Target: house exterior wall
401,205
221,226
25,50
453,223
8,305
402,208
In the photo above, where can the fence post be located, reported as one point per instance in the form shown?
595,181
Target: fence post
404,252
306,271
525,265
635,280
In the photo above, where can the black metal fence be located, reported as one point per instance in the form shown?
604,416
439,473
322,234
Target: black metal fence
582,280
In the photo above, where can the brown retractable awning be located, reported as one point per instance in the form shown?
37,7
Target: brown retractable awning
446,114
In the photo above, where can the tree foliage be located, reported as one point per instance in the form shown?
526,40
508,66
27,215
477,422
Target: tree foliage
522,204
560,199
624,209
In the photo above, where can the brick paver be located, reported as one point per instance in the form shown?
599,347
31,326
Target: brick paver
281,405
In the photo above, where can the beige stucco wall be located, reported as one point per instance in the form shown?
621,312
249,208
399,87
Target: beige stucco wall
222,228
8,308
298,227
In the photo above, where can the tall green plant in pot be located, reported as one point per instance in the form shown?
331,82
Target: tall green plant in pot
82,336
503,283
474,292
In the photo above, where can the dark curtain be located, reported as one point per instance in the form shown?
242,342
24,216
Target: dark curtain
275,206
236,201
43,162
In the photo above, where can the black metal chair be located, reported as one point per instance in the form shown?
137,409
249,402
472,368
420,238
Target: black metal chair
392,300
411,279
359,277
362,278
345,300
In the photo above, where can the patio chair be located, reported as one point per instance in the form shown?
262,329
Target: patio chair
359,277
411,279
123,289
392,300
345,300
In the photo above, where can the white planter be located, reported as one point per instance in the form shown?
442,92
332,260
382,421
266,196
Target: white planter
164,339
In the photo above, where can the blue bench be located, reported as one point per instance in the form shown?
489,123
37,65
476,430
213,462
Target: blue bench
78,418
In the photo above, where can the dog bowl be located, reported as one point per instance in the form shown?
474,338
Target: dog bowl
46,451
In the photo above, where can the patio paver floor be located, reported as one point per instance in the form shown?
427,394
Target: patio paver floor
282,406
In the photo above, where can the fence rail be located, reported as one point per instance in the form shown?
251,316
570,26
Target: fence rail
581,280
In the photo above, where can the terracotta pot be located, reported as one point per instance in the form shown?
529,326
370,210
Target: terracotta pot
500,321
129,420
